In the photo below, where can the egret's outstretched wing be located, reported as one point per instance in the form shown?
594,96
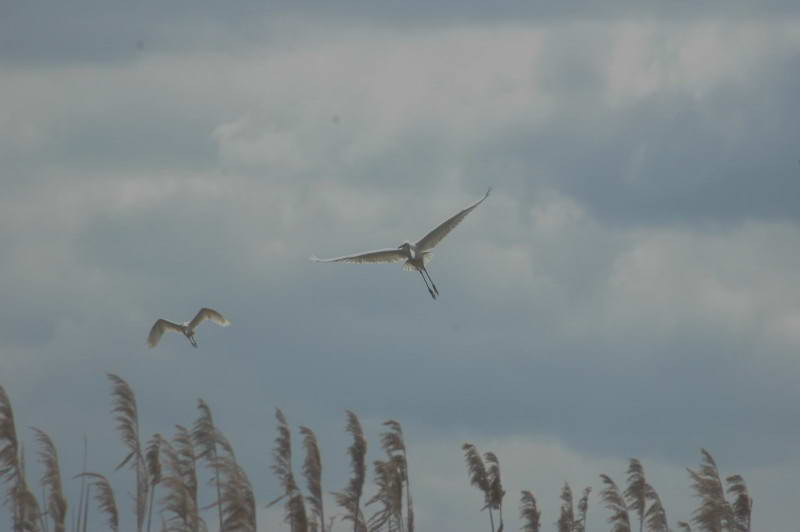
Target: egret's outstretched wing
158,330
208,314
371,257
436,236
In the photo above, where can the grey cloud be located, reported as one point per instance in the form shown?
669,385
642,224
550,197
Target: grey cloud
95,31
531,336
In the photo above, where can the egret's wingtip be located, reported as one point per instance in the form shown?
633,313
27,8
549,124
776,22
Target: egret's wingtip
225,323
314,258
489,191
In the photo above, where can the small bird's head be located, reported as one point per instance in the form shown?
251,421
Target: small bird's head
405,245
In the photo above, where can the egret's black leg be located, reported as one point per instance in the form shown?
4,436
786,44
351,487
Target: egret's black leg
431,280
426,284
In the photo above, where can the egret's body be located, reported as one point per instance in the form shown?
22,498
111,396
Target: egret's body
414,255
186,328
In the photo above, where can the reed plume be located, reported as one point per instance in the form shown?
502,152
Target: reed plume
126,414
742,503
206,439
478,476
51,480
153,461
583,509
389,480
496,491
566,521
614,501
656,516
529,512
312,471
180,483
104,495
9,459
294,508
350,497
29,516
394,444
636,492
714,513
237,502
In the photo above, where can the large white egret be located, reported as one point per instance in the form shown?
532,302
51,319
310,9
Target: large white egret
417,255
187,328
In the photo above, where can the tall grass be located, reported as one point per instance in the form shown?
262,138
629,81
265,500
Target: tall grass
350,498
126,414
170,466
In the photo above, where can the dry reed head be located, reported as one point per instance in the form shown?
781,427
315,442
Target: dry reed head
126,414
294,508
312,471
179,484
583,508
495,484
204,432
566,521
153,460
529,512
476,468
104,495
9,448
742,502
350,497
655,517
714,511
389,481
237,500
636,492
51,480
394,444
614,501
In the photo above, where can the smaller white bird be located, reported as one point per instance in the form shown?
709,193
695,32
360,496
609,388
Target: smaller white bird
187,328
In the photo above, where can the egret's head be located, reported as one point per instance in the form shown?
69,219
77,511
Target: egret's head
405,245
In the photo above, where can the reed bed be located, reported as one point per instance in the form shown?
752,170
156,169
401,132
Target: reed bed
169,467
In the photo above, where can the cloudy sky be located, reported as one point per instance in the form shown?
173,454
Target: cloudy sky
630,289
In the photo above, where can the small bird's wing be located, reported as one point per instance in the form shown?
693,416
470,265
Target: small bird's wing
158,330
208,314
371,257
434,237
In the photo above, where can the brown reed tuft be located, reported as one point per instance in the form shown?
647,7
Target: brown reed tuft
566,521
350,497
51,480
237,502
742,503
206,438
104,495
294,508
126,414
656,516
312,471
614,501
714,513
529,512
636,492
394,444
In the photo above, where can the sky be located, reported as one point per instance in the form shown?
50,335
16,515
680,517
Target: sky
631,288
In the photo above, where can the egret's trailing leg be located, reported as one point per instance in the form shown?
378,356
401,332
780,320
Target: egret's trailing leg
431,280
426,284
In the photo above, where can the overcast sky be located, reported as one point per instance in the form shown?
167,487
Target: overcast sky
631,288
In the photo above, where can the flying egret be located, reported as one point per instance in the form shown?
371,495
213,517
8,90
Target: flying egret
187,328
417,255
